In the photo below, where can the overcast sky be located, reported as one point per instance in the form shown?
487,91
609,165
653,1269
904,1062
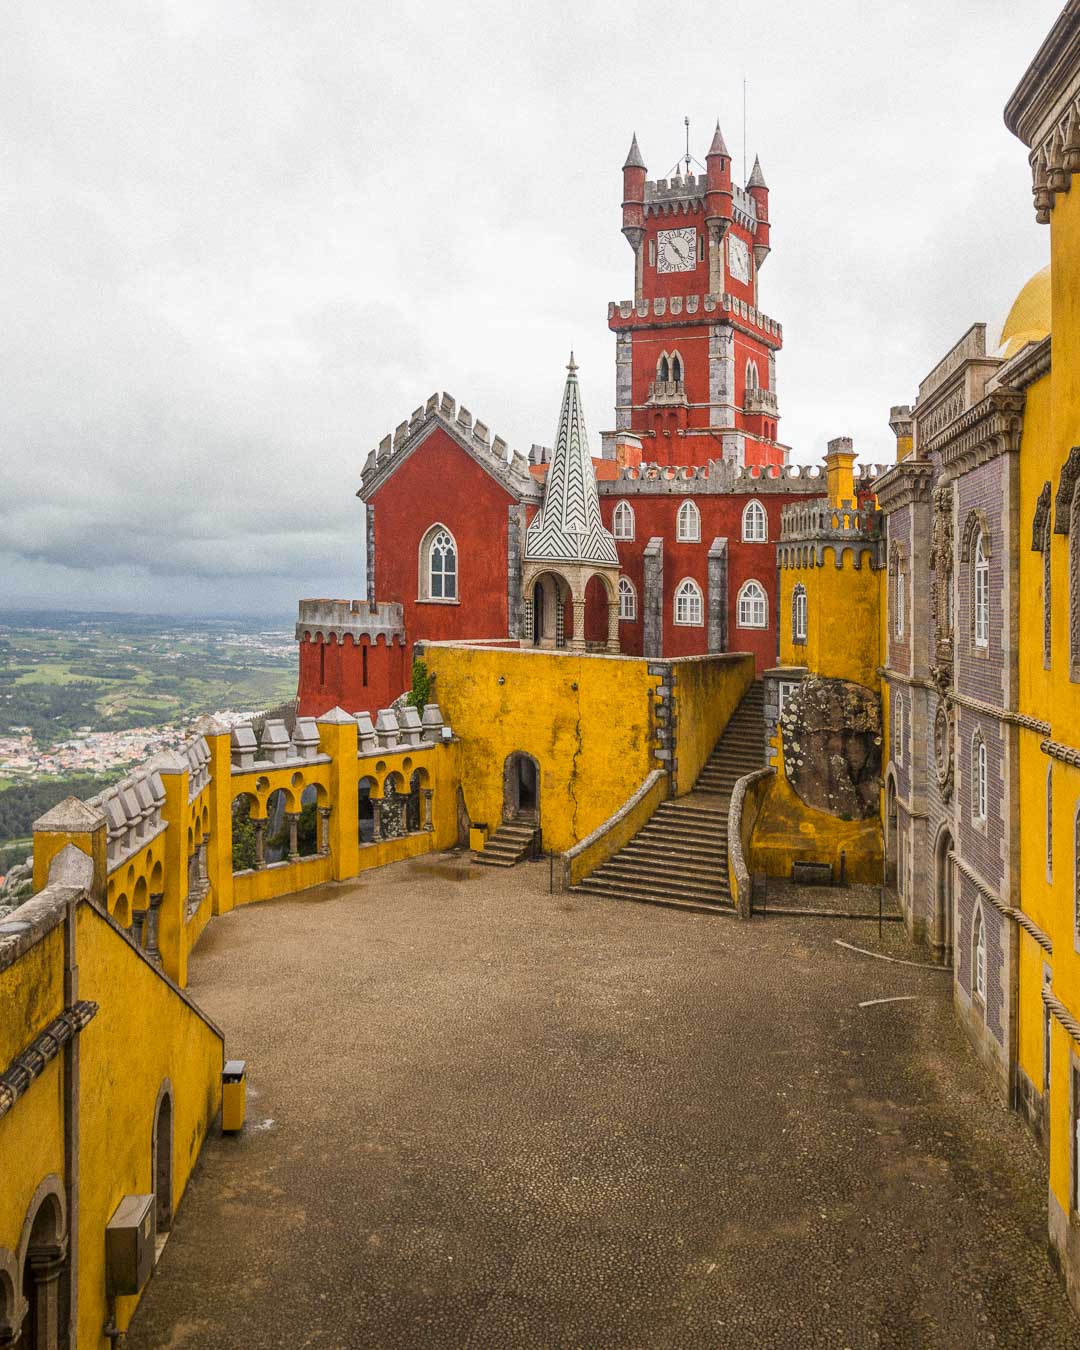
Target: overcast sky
241,241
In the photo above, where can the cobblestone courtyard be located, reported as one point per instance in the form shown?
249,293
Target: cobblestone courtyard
480,1115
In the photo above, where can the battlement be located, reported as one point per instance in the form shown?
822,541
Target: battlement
475,436
720,476
631,313
820,521
669,196
334,620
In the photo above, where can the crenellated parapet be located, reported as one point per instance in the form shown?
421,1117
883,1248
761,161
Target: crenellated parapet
133,813
511,467
720,476
628,314
807,529
335,620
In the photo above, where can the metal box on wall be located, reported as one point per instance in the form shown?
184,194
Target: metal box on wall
129,1244
233,1095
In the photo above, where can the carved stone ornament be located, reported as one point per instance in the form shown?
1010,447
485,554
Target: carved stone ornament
941,555
1042,513
1070,473
943,750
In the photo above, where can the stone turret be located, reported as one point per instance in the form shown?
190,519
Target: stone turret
633,207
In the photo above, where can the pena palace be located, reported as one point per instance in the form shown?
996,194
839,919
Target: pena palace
665,546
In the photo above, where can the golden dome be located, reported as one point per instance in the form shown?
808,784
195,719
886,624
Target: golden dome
1029,318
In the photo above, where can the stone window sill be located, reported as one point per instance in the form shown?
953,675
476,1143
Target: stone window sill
431,600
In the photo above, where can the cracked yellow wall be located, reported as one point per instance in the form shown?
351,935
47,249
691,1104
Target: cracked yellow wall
843,607
586,720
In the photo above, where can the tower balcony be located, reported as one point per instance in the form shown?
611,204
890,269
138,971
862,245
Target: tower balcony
667,392
760,401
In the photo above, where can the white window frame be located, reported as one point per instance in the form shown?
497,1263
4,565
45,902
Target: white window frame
689,604
898,729
799,614
980,592
755,523
627,600
787,690
978,947
427,571
753,601
622,521
978,779
688,523
901,603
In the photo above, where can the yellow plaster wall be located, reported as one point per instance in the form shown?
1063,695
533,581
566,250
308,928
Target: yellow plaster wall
31,1148
1065,320
1029,1038
121,1074
606,841
707,692
587,720
843,620
788,831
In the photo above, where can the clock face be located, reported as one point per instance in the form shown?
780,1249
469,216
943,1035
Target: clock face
676,250
738,258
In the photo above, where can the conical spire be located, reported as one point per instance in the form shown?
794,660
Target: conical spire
568,526
633,159
718,146
757,178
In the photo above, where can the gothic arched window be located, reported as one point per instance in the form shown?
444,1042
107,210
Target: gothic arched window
978,779
689,608
688,524
755,523
798,614
627,599
622,522
980,591
676,368
898,730
439,565
978,946
1074,585
753,606
662,371
752,381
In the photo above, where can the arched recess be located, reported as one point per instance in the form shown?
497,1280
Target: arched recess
598,601
367,790
161,1157
892,830
438,565
42,1252
944,907
10,1297
521,787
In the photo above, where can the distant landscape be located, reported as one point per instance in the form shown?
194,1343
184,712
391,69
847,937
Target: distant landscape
84,696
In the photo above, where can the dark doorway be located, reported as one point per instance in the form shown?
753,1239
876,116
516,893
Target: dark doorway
538,613
526,784
521,787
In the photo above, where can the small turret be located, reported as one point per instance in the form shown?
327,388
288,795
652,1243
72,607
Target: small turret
903,428
759,190
839,465
718,180
633,207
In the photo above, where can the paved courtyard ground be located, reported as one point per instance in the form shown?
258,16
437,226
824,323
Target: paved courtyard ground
481,1115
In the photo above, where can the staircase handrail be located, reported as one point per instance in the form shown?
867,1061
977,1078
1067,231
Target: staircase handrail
738,872
575,864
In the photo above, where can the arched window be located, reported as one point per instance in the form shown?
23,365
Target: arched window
1049,823
688,524
978,779
798,613
627,599
978,946
752,375
689,609
622,522
676,368
662,372
980,590
753,606
755,523
1046,594
901,601
439,565
1074,591
898,730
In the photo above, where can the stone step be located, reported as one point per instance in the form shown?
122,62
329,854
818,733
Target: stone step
678,839
656,883
681,877
665,902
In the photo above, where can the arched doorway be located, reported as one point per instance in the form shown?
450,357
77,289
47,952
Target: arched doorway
549,603
944,899
43,1250
521,787
161,1149
892,837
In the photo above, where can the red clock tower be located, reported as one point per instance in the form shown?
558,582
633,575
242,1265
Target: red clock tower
695,356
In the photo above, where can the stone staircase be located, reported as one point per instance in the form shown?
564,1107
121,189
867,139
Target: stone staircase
512,841
679,858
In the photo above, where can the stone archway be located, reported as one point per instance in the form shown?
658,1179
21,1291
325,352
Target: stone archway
545,591
42,1254
944,907
521,787
161,1149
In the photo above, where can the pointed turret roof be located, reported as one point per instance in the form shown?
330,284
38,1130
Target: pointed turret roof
719,146
633,159
568,526
757,178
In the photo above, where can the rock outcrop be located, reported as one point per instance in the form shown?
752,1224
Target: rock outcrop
831,732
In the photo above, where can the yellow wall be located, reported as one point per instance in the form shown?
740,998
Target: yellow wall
121,1074
788,831
843,620
606,841
707,692
586,720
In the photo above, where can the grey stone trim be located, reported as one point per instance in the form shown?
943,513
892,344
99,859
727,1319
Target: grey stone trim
652,600
1063,1015
369,556
1017,916
1002,714
515,538
31,1062
717,599
1067,754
